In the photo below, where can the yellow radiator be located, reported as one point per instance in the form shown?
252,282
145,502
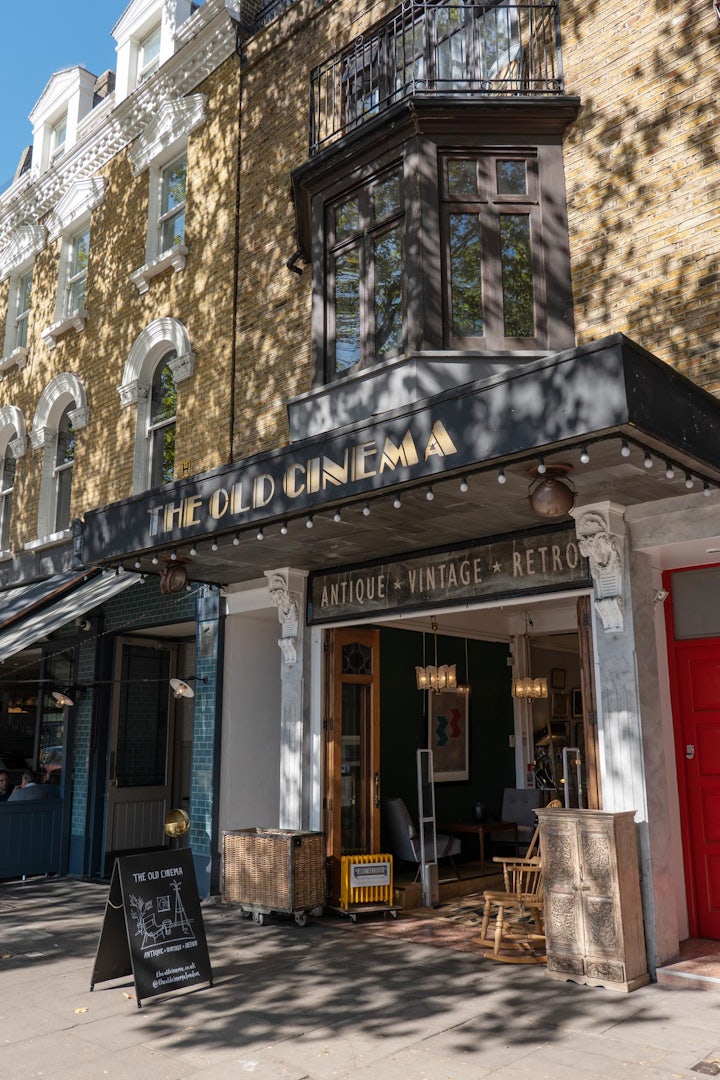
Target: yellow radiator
365,879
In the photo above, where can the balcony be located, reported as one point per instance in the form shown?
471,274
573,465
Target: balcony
449,50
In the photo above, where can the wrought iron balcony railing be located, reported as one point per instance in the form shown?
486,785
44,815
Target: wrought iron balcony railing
437,49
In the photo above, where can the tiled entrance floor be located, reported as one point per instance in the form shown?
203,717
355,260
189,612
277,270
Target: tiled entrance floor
697,967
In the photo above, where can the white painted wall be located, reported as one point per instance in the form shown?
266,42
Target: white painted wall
250,775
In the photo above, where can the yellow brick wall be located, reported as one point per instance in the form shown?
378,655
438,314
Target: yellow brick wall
642,176
274,303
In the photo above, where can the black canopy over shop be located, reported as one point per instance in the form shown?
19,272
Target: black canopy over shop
620,424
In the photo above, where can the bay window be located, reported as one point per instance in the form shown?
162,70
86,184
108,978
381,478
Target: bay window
492,284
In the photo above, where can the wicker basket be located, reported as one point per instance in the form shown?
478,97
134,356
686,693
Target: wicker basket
277,869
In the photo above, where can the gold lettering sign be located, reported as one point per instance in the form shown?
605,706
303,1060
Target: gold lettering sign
358,462
505,567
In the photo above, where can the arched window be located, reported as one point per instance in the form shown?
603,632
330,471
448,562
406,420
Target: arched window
62,473
7,483
161,426
13,442
159,360
61,412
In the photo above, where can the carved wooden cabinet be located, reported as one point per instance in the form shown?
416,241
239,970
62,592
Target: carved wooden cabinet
593,910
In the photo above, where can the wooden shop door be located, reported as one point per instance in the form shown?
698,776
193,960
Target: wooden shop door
352,802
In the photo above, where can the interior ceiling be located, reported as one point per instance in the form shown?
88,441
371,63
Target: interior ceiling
486,509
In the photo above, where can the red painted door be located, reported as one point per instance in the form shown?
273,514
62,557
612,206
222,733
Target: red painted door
698,668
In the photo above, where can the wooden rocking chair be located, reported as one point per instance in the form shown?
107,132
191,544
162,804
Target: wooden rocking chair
518,907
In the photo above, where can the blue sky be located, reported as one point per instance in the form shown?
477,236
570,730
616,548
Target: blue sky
37,39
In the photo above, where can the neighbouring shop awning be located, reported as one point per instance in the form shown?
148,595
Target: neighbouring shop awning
26,598
40,609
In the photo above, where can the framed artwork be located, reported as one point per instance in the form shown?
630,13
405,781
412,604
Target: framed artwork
577,708
560,706
557,678
448,714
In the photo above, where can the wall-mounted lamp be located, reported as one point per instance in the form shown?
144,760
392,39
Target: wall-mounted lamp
180,688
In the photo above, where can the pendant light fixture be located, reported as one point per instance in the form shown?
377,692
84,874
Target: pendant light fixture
464,687
432,677
529,688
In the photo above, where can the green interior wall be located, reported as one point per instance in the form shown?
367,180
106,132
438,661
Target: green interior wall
403,723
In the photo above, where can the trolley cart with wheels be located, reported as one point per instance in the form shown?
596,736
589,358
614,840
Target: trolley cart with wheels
274,872
260,914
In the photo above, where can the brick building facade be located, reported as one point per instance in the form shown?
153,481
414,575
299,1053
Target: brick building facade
439,263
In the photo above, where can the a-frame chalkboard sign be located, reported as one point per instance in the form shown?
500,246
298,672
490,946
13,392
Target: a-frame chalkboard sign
153,927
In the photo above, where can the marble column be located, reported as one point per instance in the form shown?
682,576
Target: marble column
627,685
287,592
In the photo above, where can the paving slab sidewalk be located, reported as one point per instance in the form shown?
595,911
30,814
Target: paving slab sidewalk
321,1002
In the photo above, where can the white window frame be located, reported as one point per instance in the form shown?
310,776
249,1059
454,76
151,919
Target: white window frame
70,219
15,350
62,476
146,68
151,346
22,313
163,143
65,391
13,441
17,260
155,430
158,180
74,277
6,496
58,138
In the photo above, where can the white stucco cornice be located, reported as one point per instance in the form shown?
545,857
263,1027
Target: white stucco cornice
174,122
213,42
76,203
23,245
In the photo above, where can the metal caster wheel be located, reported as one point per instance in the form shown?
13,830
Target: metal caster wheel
301,918
259,918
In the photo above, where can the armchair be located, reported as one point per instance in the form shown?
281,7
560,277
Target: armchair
404,839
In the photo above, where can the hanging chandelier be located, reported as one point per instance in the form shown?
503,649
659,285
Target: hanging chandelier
432,677
529,688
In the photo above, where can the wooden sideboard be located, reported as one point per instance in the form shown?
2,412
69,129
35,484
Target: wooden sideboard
593,908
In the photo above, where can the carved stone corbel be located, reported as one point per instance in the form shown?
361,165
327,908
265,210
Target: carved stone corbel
288,616
600,532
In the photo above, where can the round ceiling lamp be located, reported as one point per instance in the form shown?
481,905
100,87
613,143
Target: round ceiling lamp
549,494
